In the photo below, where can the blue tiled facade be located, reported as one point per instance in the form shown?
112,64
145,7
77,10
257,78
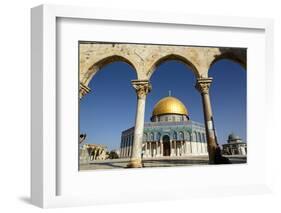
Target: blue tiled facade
182,131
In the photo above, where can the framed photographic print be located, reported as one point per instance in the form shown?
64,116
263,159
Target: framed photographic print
149,106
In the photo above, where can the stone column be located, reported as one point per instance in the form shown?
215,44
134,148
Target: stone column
175,149
203,85
186,147
154,149
161,148
130,150
157,148
171,148
150,149
145,152
125,149
142,88
83,90
179,152
182,149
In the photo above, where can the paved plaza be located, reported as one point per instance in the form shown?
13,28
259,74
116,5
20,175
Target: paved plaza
163,162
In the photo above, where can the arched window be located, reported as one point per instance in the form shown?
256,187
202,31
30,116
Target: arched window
124,142
181,135
175,136
199,137
158,136
188,136
194,138
144,137
203,137
151,136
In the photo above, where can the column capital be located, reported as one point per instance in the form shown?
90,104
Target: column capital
142,87
203,85
83,90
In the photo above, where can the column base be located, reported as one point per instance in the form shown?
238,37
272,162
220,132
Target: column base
136,163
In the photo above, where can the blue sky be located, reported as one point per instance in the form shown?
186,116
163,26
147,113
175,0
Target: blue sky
110,107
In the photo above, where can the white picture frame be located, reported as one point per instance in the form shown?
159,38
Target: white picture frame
46,171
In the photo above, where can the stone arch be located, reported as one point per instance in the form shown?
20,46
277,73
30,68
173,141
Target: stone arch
237,55
144,137
175,135
158,136
188,136
203,137
169,57
98,65
193,136
196,136
151,136
199,137
165,135
181,135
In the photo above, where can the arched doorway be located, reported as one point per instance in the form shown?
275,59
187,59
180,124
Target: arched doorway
166,146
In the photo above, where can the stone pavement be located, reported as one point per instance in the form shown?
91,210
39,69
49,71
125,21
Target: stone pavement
159,162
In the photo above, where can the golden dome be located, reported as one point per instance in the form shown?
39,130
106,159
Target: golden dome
169,105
